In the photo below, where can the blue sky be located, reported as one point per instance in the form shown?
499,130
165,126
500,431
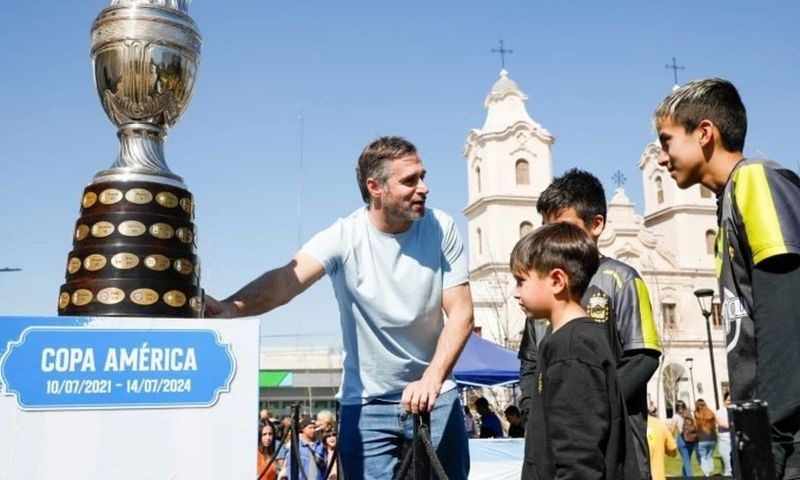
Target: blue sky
593,72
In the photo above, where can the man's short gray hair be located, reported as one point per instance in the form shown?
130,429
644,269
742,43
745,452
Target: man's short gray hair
373,161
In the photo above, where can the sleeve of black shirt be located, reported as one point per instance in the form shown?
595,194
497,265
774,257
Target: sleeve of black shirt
634,371
528,353
777,331
577,406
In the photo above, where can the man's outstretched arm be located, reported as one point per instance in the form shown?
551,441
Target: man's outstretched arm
421,395
272,289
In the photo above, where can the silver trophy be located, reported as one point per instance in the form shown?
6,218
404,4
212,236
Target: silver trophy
134,243
145,55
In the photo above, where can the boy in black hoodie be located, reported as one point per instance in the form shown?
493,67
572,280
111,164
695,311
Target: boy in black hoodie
581,427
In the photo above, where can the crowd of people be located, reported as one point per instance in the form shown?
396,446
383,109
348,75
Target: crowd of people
590,344
316,450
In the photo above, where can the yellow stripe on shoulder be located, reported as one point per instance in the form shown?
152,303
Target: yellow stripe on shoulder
753,197
649,332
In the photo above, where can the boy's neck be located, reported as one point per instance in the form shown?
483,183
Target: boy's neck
719,169
565,312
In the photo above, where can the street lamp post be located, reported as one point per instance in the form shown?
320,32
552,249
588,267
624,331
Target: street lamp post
704,298
690,363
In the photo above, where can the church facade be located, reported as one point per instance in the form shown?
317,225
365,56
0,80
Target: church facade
509,164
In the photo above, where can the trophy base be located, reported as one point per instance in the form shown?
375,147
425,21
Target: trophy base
133,251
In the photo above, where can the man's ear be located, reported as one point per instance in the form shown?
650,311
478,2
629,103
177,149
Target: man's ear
374,187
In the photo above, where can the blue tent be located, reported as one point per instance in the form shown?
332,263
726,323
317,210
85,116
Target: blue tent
486,364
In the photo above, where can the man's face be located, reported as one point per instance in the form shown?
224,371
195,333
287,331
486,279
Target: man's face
533,294
681,153
513,419
405,191
308,432
569,215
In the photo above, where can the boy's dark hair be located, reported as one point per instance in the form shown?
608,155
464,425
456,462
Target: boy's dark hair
558,245
512,410
481,402
578,189
712,99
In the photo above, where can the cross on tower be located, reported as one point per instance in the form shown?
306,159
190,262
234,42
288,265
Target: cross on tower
619,178
502,51
674,67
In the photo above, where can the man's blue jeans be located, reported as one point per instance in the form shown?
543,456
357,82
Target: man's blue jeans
371,438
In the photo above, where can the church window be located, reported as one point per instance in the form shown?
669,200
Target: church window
668,314
659,190
704,192
479,240
711,237
523,172
716,314
525,228
478,178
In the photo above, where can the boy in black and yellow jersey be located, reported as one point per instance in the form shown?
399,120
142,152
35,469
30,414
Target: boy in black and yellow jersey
616,297
702,128
579,429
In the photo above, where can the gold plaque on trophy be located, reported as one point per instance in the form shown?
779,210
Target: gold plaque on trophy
144,296
124,260
157,262
110,296
183,266
94,262
184,235
131,228
110,196
175,298
139,196
81,297
162,230
102,229
73,265
186,205
89,199
81,232
196,303
167,199
63,300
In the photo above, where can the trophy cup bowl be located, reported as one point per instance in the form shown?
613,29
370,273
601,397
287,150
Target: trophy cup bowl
134,244
145,56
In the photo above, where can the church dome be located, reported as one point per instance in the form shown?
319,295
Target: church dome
504,84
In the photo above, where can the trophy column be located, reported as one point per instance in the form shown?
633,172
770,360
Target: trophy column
134,245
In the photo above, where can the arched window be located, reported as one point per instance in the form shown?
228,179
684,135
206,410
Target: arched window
478,178
523,172
479,240
659,190
525,228
711,238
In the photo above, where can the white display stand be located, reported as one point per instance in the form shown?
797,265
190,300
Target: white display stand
128,398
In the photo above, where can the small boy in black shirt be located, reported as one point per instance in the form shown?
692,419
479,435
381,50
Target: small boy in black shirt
581,427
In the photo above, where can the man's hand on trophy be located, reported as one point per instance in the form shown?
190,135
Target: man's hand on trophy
216,309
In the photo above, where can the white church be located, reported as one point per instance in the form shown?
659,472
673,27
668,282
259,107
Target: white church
509,164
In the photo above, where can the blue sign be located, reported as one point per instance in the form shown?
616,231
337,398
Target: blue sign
51,368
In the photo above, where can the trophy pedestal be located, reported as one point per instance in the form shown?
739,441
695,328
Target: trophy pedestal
134,253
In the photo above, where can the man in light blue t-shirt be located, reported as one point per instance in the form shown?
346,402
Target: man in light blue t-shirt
397,269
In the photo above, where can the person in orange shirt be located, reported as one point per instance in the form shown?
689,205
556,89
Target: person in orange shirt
660,441
266,449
